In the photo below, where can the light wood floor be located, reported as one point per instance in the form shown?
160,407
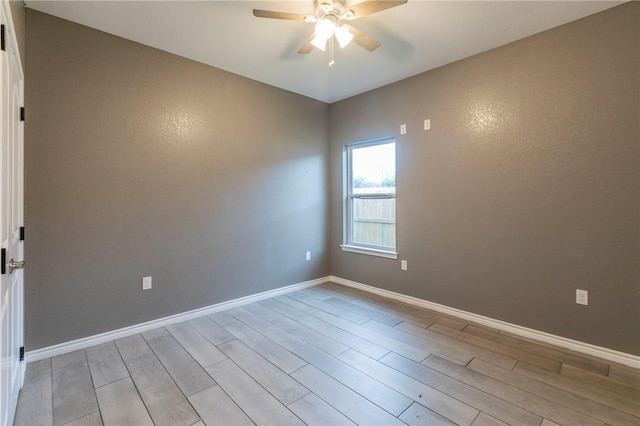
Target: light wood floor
327,355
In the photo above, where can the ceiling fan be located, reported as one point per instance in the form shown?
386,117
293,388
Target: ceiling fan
329,16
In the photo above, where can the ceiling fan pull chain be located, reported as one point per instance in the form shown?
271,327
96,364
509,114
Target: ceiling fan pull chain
331,62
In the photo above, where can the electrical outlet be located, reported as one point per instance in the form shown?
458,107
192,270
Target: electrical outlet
403,129
308,257
427,124
582,297
146,283
403,265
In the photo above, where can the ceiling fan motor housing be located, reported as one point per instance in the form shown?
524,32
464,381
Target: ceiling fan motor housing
334,10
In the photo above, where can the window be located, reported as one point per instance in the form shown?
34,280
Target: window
370,198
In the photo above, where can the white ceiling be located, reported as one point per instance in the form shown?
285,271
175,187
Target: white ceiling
416,37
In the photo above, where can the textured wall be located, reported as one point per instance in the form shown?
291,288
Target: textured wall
138,162
526,188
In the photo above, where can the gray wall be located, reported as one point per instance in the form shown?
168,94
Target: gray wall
138,162
526,188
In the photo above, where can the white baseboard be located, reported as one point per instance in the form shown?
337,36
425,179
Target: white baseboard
585,348
86,342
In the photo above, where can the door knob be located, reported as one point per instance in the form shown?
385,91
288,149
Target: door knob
13,265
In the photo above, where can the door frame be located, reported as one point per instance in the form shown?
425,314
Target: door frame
10,59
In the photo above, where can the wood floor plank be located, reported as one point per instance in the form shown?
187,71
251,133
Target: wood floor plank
273,352
270,377
216,408
73,393
133,347
155,333
586,406
310,291
349,339
597,361
540,361
396,306
455,350
473,397
310,336
38,366
601,381
211,331
452,323
283,309
627,376
186,372
513,395
423,340
35,406
162,397
374,314
580,388
315,412
93,419
376,392
301,332
433,399
105,364
261,311
563,357
486,420
397,310
200,348
328,293
379,339
355,407
303,308
252,398
267,329
354,292
328,308
418,415
69,359
120,404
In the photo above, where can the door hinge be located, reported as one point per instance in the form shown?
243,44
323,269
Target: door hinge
22,353
21,113
2,46
3,260
22,233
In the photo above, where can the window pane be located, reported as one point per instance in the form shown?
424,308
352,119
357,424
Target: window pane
374,221
374,169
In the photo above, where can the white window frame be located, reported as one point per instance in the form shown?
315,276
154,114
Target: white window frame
349,196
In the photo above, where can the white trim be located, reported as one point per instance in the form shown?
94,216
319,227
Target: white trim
86,342
11,35
369,251
585,348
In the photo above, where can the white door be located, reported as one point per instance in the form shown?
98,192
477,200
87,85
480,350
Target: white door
11,220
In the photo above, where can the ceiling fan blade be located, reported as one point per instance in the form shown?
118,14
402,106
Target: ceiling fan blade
278,15
365,41
370,7
307,47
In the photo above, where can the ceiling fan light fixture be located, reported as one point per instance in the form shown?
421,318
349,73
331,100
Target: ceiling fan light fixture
320,43
343,35
325,28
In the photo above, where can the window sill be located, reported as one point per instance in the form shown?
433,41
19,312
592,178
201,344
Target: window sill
370,251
